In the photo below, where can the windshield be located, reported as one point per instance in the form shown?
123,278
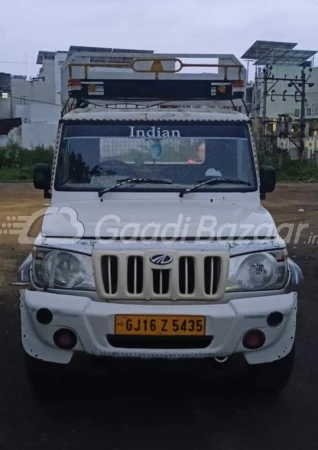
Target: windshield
97,156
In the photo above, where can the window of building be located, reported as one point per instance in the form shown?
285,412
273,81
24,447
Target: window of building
297,112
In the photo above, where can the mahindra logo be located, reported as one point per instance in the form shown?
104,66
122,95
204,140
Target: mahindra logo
161,260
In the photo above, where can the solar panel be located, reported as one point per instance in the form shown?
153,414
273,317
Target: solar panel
119,60
74,48
277,53
260,48
123,50
109,59
286,58
297,57
273,56
81,49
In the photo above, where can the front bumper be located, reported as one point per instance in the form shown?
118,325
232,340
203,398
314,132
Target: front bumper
93,321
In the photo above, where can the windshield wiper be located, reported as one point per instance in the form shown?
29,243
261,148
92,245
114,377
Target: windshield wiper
132,180
213,181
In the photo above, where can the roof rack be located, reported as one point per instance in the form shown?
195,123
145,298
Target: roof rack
157,78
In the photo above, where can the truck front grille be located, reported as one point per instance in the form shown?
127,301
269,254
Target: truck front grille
161,281
196,276
186,275
135,274
110,274
212,267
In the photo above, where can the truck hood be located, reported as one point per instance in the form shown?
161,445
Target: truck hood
164,219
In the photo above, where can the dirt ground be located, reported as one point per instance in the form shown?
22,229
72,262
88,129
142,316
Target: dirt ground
16,200
156,410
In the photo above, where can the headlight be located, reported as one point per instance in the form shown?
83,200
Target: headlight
61,269
258,272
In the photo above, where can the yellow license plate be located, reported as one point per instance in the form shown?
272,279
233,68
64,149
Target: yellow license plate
160,325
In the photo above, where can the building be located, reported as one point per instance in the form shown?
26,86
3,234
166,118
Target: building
279,62
38,102
5,94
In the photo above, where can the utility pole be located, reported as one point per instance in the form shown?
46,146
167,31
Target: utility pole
266,73
300,84
302,124
265,94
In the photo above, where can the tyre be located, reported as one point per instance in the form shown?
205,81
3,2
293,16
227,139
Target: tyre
43,377
271,377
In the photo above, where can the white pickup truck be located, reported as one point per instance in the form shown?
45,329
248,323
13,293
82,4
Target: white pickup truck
156,244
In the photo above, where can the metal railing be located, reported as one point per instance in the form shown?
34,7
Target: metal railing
157,65
230,72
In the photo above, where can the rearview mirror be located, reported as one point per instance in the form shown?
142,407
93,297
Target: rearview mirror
42,178
268,180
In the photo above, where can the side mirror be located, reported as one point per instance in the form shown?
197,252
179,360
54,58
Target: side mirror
42,178
268,180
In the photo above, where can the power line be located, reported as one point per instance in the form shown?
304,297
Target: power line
35,101
18,62
300,85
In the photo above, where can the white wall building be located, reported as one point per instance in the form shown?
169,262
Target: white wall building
38,101
276,105
282,61
5,89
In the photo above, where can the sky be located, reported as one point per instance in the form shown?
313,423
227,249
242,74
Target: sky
166,26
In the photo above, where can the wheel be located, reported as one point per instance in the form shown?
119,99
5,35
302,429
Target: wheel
271,377
43,377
